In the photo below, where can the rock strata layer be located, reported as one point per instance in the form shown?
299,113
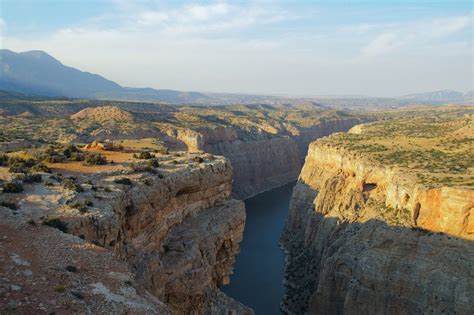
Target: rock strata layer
362,238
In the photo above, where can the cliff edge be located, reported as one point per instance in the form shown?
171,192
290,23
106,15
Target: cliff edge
369,233
134,238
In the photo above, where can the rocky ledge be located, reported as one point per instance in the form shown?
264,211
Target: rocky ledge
363,238
137,239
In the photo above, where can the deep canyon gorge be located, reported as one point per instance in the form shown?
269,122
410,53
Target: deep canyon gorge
362,235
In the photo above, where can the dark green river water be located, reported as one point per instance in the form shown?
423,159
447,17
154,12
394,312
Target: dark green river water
258,274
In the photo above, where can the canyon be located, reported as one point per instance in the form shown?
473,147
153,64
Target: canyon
364,236
169,223
379,220
262,164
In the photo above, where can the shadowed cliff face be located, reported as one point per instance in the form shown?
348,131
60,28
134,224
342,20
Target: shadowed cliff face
337,267
364,238
263,164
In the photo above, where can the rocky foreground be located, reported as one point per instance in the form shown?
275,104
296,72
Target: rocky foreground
367,238
123,241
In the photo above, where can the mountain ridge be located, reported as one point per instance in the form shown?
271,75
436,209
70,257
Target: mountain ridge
36,72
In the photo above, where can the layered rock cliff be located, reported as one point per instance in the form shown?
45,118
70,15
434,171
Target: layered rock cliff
364,238
263,162
177,228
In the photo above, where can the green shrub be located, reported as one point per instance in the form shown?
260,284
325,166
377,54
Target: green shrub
56,223
19,165
12,187
30,221
145,155
77,156
27,162
71,184
55,158
82,206
136,167
95,159
69,150
3,160
198,159
51,155
18,168
153,163
31,178
124,181
59,288
8,204
40,167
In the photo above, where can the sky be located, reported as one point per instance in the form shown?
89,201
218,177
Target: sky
300,48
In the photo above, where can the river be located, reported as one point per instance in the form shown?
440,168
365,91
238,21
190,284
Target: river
258,273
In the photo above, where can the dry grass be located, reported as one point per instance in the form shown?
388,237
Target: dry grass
436,145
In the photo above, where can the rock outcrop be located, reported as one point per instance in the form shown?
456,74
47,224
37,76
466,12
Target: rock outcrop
363,238
177,227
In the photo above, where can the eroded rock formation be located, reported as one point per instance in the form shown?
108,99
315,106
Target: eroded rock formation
262,164
363,238
177,228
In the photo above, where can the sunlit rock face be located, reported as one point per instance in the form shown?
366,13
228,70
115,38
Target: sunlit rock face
362,238
177,228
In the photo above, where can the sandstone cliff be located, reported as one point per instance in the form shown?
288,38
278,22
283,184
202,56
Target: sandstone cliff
264,162
363,238
177,227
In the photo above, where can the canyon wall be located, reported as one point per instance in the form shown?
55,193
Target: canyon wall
178,230
262,164
363,238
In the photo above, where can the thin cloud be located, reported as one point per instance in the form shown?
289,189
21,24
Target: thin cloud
256,48
395,38
189,19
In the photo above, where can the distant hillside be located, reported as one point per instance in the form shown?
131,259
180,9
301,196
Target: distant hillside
37,73
437,95
469,95
103,114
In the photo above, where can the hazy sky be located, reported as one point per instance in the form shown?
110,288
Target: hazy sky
380,48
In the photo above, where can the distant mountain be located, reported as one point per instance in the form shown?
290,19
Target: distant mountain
448,95
37,73
469,95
